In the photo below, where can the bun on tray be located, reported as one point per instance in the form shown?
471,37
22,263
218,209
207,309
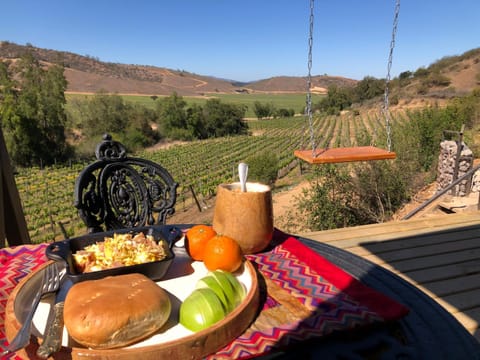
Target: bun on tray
115,311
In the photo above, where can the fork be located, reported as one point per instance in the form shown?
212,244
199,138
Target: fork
50,283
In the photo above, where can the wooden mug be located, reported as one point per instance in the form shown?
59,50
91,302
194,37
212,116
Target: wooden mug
246,217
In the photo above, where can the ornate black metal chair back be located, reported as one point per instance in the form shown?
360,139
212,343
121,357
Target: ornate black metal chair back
117,191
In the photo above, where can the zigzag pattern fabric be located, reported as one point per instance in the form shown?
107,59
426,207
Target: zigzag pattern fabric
304,296
15,264
307,297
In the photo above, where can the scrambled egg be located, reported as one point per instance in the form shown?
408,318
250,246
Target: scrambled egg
119,250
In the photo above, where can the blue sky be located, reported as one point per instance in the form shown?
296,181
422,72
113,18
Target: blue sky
248,40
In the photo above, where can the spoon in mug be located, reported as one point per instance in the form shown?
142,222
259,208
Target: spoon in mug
242,174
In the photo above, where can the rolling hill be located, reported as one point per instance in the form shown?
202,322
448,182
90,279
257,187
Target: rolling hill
447,77
86,74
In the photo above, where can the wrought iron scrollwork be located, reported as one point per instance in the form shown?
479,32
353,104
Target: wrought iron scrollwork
117,191
110,149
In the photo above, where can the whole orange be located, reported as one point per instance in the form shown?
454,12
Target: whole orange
222,253
196,240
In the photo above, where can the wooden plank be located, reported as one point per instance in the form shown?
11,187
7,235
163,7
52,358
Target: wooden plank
3,235
434,274
449,271
410,265
13,218
352,236
464,300
454,285
344,154
431,261
420,251
438,239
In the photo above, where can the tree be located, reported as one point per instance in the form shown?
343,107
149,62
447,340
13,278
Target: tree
7,94
405,75
337,99
214,119
32,107
368,88
52,110
104,113
224,119
196,122
139,132
172,115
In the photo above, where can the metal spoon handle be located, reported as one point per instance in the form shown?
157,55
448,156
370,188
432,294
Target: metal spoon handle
242,174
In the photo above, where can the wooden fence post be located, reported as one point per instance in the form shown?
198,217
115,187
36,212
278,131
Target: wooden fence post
195,198
13,226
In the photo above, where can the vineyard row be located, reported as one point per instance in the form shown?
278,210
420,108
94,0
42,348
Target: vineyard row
47,194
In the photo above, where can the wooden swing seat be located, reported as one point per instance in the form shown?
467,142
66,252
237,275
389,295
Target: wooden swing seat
344,154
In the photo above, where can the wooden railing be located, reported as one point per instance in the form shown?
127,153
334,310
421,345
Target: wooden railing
442,192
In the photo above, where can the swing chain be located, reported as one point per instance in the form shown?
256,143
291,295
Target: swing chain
387,79
308,109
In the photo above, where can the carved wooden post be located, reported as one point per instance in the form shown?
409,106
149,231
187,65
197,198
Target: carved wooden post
13,227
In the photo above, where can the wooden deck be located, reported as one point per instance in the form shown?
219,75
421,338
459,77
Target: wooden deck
440,255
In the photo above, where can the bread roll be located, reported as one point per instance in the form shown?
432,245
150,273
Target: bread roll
115,311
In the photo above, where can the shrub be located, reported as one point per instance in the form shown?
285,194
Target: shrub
394,100
263,110
437,79
284,112
381,188
263,168
327,203
421,72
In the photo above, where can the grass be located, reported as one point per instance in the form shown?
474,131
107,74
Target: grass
286,101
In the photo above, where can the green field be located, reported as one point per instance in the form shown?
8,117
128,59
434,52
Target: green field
286,101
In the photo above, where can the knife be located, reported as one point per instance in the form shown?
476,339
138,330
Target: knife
52,341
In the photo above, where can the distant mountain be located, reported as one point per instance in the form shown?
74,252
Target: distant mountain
320,84
86,74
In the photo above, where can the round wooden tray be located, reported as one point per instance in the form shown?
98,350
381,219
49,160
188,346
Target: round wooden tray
173,341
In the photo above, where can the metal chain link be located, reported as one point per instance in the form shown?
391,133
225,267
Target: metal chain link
387,79
308,109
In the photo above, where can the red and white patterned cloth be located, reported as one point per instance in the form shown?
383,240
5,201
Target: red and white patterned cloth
15,263
336,301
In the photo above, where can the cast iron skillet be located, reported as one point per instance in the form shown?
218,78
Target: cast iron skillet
155,270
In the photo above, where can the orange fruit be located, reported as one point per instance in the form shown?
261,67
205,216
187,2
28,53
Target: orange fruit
222,253
196,240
